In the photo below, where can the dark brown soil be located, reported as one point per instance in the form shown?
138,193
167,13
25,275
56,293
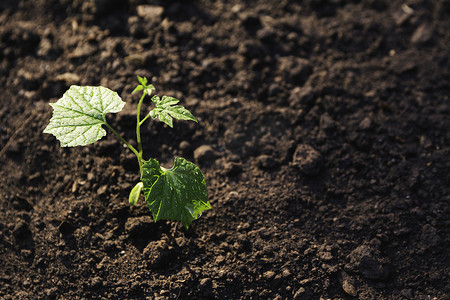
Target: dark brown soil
329,170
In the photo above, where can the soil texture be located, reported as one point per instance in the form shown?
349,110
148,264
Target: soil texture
323,135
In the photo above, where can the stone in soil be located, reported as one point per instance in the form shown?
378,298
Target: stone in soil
205,154
307,159
158,253
367,261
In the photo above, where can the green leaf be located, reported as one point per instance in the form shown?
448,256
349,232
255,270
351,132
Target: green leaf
143,86
164,117
79,115
165,111
167,101
135,193
141,80
181,113
137,89
175,194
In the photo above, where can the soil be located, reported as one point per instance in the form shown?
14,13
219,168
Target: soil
323,135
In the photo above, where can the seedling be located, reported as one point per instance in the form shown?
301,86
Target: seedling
178,193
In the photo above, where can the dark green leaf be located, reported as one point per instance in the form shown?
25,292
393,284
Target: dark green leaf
175,194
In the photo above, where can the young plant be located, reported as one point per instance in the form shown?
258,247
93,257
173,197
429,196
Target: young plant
178,193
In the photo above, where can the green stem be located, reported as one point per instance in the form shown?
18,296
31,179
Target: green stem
143,120
138,124
138,152
138,155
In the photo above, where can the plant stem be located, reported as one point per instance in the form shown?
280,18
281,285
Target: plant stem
143,120
138,154
138,123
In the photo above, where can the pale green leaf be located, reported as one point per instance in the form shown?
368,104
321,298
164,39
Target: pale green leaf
156,99
137,89
148,89
175,194
135,193
142,80
153,114
165,110
167,101
143,86
79,115
164,117
181,113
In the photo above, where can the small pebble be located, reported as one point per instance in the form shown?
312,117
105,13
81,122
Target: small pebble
205,153
307,159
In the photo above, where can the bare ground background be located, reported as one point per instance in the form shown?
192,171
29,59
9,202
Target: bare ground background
326,125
